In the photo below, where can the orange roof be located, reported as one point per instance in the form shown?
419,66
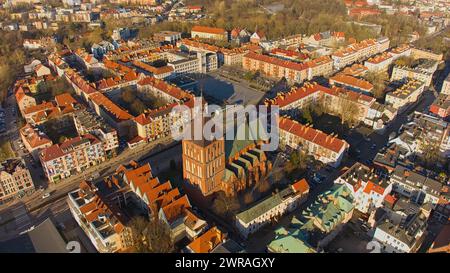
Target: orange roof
276,61
372,187
295,94
101,100
351,81
312,135
206,242
211,30
65,99
301,186
34,138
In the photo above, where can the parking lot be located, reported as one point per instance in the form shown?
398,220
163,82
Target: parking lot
228,91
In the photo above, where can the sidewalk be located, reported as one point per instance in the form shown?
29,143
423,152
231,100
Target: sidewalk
62,188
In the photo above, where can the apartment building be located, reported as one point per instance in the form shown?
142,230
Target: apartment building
351,83
441,106
204,32
324,218
380,62
87,122
401,238
117,117
15,179
34,140
409,92
419,188
424,130
446,86
71,157
97,212
158,123
418,53
422,71
326,148
273,207
171,37
292,71
368,189
359,51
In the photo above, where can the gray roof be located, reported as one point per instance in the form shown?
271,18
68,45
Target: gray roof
44,238
265,205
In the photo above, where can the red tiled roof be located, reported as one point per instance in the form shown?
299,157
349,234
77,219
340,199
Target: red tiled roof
57,150
212,30
352,81
101,100
276,61
312,135
301,186
206,242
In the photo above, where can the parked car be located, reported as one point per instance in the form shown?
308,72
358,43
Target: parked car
46,195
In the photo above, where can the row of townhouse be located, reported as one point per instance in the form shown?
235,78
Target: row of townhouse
292,71
271,208
225,56
422,71
332,98
326,148
15,179
101,210
409,92
71,157
382,61
158,123
359,51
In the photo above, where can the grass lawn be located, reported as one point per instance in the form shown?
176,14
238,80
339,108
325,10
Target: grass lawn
6,150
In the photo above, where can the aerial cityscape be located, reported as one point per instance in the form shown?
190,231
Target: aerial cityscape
225,126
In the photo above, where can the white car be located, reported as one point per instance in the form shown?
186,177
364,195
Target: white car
47,195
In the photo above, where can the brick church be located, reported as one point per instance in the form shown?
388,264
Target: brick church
224,165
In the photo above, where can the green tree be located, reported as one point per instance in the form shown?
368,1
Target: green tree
151,236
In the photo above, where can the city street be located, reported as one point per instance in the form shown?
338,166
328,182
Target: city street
159,151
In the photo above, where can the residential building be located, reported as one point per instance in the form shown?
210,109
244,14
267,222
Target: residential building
416,73
97,212
446,85
441,106
326,148
379,63
318,224
352,83
101,49
424,130
15,179
204,32
87,122
213,241
408,93
171,37
71,157
292,71
417,53
34,140
359,51
120,119
271,208
368,189
419,188
405,238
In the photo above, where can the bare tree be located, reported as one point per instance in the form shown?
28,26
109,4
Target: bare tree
348,111
151,236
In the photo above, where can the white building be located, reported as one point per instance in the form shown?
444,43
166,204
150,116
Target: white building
368,190
255,217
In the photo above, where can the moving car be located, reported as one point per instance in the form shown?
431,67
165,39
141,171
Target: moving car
46,195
